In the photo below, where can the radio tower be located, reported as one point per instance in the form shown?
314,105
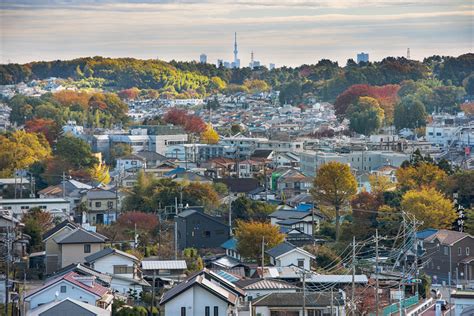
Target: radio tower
408,53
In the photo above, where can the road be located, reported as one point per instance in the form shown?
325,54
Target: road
444,295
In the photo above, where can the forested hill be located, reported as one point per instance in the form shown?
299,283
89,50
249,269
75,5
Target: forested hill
325,79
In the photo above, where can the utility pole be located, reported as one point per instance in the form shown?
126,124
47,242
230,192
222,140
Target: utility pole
377,272
304,292
332,303
263,254
7,268
153,292
64,185
353,276
415,242
176,230
230,215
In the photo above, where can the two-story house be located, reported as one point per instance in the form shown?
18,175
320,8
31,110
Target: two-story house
449,256
122,266
199,230
165,273
306,221
286,254
52,248
101,206
71,285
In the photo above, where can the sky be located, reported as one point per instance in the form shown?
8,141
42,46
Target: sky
291,32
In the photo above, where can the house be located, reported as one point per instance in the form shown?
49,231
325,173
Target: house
71,285
57,207
11,186
250,168
71,246
123,267
289,182
165,272
70,307
463,302
101,206
255,288
132,161
239,186
230,247
152,158
286,159
73,191
203,293
229,265
286,254
81,269
199,230
264,155
52,248
301,219
316,303
449,253
220,167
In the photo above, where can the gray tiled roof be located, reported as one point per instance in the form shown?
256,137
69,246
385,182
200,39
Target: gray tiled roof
164,265
80,236
99,194
107,251
281,249
317,299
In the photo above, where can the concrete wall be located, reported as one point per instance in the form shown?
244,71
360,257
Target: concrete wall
106,264
74,253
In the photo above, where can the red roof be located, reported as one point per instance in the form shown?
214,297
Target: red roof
73,277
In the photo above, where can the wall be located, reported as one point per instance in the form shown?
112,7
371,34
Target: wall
74,253
53,250
72,291
292,258
106,264
122,286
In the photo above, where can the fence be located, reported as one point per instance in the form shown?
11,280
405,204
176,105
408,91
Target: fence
395,308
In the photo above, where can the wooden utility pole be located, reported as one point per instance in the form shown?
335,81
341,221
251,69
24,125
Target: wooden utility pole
353,276
263,254
377,272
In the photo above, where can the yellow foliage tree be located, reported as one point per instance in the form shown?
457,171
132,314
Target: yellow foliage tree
20,150
209,136
423,175
334,185
256,85
250,235
100,173
430,206
380,184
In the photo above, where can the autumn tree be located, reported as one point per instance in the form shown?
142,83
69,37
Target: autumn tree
100,174
250,236
364,210
334,185
209,136
380,183
256,85
193,260
20,150
47,127
129,94
36,222
429,206
421,175
365,116
462,183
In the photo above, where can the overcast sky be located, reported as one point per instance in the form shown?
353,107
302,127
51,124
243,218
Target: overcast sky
289,32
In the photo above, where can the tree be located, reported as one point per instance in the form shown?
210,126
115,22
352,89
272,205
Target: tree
334,185
462,183
76,152
250,236
469,221
129,94
47,127
20,150
100,174
364,210
422,175
256,85
118,150
209,136
290,93
380,183
144,221
36,222
193,259
430,206
365,116
246,209
325,257
409,113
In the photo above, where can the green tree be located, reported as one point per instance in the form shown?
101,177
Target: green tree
193,259
409,113
118,150
469,221
36,222
247,209
334,185
76,152
365,116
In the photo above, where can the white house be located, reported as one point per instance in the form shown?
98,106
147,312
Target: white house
71,285
123,267
256,287
204,293
286,254
131,161
57,207
69,307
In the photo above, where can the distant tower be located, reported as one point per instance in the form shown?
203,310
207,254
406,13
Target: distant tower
251,60
408,53
236,63
203,59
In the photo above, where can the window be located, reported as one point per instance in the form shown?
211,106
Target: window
183,311
301,263
123,269
467,251
164,271
110,204
220,232
63,289
207,311
216,310
445,251
98,204
206,234
87,248
459,251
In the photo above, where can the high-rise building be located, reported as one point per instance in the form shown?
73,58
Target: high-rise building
253,63
362,57
220,63
271,66
203,59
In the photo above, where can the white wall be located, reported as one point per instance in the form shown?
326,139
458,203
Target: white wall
292,258
462,305
195,300
106,264
123,286
72,291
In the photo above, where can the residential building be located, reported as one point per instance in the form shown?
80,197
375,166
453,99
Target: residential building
199,230
203,293
165,272
73,192
302,220
52,248
11,187
101,206
289,182
463,302
130,162
286,254
71,285
316,303
123,267
239,186
362,57
449,253
70,307
255,288
58,207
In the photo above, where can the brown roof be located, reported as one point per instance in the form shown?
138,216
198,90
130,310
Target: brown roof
447,237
